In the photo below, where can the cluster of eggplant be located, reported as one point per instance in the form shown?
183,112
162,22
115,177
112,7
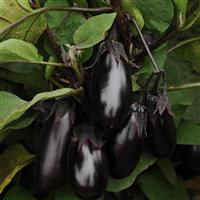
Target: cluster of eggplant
111,141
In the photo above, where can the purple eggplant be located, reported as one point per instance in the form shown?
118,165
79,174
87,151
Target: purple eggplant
125,146
110,90
161,133
87,164
51,162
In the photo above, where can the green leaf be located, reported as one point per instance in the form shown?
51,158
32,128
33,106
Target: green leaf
157,14
188,133
18,193
194,108
191,20
178,112
156,187
181,6
160,56
116,185
66,193
8,103
29,30
191,54
64,24
133,11
167,168
33,74
20,123
181,97
12,160
18,50
85,54
92,31
18,111
179,72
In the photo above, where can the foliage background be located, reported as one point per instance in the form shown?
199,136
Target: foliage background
27,63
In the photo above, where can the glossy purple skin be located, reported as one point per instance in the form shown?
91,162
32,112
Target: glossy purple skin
88,169
161,134
51,159
110,91
124,149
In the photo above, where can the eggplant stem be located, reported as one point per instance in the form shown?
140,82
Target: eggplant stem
146,46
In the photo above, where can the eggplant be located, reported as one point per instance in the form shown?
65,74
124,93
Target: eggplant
125,147
87,164
110,90
161,133
190,160
50,164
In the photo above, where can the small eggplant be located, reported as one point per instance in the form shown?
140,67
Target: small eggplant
125,146
190,160
50,164
161,133
110,91
87,164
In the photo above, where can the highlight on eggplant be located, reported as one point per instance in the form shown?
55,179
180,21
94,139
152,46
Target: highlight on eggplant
50,164
87,164
126,144
110,90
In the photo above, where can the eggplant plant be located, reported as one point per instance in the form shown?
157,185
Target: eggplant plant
99,99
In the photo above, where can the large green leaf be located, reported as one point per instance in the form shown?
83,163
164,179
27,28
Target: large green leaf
8,103
27,74
116,185
12,160
64,24
20,123
160,56
157,14
188,133
156,187
92,31
30,30
18,193
181,97
18,111
18,50
179,71
167,168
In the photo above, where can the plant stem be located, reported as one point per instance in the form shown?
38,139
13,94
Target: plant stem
54,43
39,63
122,26
54,8
186,86
182,43
146,47
56,83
